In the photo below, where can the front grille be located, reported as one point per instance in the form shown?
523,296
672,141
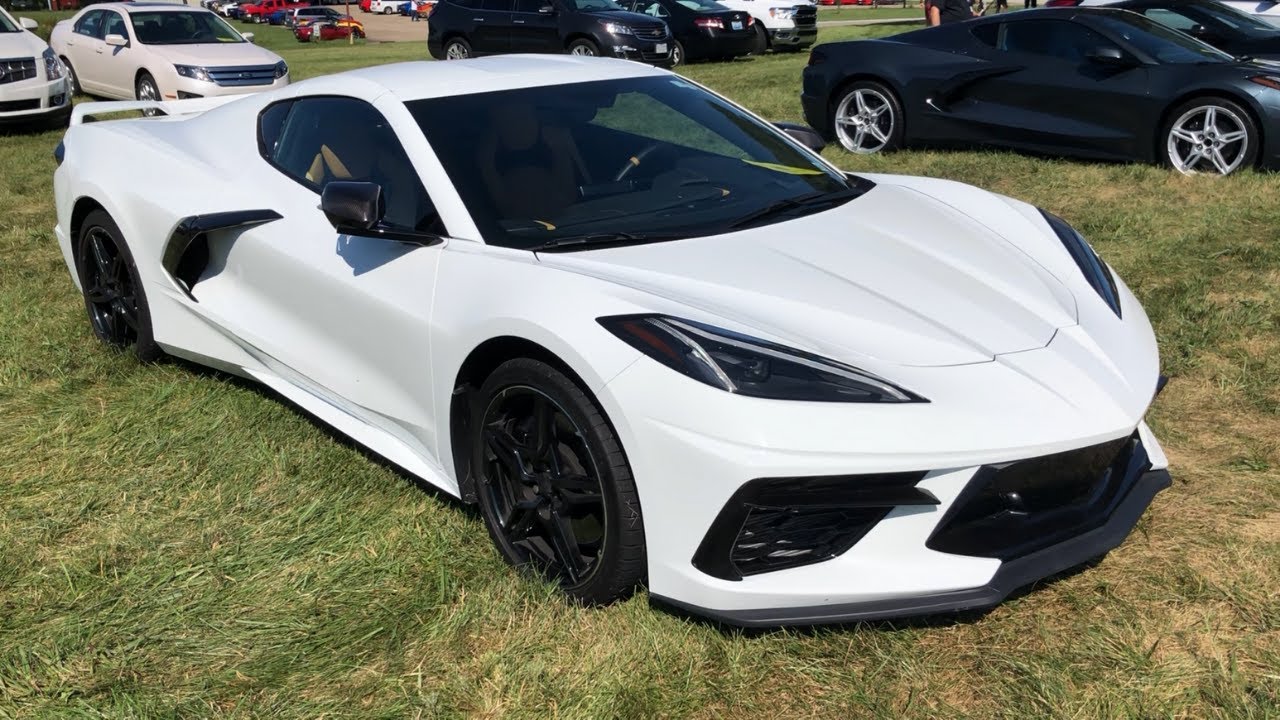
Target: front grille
16,70
19,105
1013,510
776,523
241,76
650,32
806,17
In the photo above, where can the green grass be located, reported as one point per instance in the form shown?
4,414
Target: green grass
177,544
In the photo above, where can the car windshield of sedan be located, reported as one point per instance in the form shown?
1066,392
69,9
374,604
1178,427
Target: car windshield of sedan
7,25
704,5
182,28
1218,16
1163,44
629,160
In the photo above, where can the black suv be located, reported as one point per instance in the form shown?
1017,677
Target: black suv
459,29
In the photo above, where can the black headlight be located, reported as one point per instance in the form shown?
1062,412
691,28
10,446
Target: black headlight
1095,271
749,366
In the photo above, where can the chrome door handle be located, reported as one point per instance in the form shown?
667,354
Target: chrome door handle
477,19
517,22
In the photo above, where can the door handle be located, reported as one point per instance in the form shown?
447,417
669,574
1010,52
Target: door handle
477,19
517,22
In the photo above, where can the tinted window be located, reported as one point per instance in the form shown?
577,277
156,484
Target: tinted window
498,5
643,156
1055,38
181,28
330,138
1214,16
1170,18
988,34
1159,42
270,123
90,24
530,6
115,25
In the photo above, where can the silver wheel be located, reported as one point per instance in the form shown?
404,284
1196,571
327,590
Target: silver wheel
864,121
677,54
582,49
147,89
1208,137
456,51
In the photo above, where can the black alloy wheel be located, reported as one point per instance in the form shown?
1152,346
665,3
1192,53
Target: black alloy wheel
553,485
113,295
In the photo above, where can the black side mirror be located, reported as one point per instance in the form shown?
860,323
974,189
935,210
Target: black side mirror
1108,55
803,134
354,208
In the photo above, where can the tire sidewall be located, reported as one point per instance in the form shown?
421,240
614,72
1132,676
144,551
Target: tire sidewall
898,132
145,346
678,56
624,525
466,46
1254,137
582,42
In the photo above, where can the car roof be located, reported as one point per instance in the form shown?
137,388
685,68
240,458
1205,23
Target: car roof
422,80
149,7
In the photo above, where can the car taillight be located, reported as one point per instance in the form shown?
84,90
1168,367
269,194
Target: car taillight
751,20
709,23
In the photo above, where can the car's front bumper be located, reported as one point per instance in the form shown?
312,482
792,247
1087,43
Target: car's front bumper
693,447
178,87
646,51
793,38
31,100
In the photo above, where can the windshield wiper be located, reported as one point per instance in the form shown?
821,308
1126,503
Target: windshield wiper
781,206
602,239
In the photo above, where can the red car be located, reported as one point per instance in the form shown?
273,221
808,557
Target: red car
364,5
260,11
328,31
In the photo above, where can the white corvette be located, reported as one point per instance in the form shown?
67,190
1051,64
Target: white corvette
657,339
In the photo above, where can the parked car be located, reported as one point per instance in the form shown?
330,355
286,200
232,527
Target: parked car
702,29
1219,24
325,30
693,294
304,15
385,7
364,5
33,82
1267,11
462,28
278,17
1088,82
259,11
781,25
155,52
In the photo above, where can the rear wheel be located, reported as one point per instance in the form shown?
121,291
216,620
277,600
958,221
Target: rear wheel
1212,135
584,47
868,118
762,40
554,486
113,293
457,49
388,10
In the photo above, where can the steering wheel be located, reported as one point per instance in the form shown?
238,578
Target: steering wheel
635,160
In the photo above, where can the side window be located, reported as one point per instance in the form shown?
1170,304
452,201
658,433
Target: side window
1061,39
312,141
1170,18
987,34
115,26
90,24
495,5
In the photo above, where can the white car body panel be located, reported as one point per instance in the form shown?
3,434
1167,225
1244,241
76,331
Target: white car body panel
963,296
31,98
112,72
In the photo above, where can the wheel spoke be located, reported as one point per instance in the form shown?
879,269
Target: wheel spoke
560,534
1219,162
847,121
97,294
858,137
1211,118
118,308
877,133
861,101
543,435
1232,137
101,258
1184,135
507,452
879,111
521,518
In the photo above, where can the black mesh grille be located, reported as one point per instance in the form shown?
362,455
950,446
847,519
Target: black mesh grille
806,16
777,538
17,69
1012,510
19,105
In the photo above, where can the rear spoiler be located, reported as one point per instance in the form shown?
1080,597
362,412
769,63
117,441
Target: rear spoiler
193,106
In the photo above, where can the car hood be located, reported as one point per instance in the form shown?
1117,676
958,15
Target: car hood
216,54
20,45
895,276
623,17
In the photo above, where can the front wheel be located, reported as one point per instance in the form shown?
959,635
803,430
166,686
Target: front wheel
868,118
554,485
1212,135
584,48
388,10
113,293
677,54
146,89
72,78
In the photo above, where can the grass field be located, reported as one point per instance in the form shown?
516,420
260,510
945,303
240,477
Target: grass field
174,543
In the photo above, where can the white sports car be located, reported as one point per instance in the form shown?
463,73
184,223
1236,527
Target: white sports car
656,338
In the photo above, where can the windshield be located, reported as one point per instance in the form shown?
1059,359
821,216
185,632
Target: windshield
586,5
7,24
1163,44
1214,16
181,28
704,5
644,157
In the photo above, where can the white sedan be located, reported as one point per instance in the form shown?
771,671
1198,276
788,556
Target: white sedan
149,51
658,340
33,83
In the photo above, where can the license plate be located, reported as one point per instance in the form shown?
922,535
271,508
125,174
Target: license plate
660,48
736,24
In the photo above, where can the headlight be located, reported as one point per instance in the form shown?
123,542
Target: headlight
1095,271
52,65
782,13
282,69
193,72
616,28
749,366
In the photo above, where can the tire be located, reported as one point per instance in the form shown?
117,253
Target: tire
114,297
678,57
71,75
145,88
879,123
1209,134
581,483
762,40
388,10
457,49
584,47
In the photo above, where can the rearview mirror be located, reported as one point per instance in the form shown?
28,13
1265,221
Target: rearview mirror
248,37
1107,55
353,208
28,23
115,40
803,134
